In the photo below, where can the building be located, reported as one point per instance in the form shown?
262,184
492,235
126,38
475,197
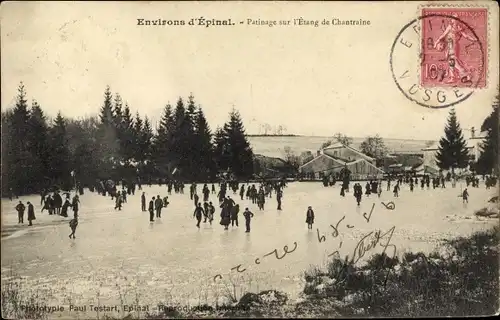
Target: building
332,159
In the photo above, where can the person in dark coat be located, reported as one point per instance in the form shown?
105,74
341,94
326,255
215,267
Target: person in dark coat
368,189
248,216
234,215
20,212
198,213
57,200
279,195
143,202
225,216
73,224
31,213
75,204
242,191
151,209
158,206
309,217
196,199
211,212
64,209
206,211
465,196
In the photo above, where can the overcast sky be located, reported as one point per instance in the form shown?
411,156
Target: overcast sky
313,81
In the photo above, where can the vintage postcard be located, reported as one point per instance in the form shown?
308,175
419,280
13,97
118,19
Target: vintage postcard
249,159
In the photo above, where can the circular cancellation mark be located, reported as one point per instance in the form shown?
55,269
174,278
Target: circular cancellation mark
416,57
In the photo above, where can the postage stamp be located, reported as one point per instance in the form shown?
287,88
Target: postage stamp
452,39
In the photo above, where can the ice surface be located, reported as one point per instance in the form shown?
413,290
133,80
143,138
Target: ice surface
119,257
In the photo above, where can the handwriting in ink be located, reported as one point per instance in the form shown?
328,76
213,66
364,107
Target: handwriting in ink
257,259
285,248
322,238
219,276
365,245
238,268
369,217
335,232
389,205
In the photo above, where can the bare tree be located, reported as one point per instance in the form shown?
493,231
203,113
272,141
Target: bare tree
291,158
342,138
374,147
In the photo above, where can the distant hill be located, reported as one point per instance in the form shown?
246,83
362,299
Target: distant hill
273,135
272,146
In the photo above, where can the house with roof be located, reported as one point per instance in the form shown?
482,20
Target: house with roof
332,159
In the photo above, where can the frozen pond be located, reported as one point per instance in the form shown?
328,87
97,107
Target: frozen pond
119,257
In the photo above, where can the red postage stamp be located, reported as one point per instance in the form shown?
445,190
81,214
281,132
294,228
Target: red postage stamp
454,47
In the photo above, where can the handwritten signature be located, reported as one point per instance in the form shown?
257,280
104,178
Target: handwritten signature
362,247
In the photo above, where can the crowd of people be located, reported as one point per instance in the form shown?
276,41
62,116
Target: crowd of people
257,193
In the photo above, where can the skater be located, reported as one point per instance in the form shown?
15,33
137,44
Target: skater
248,215
64,209
379,191
31,213
158,206
74,205
73,224
213,188
20,212
165,202
225,216
118,201
234,215
465,196
309,217
358,193
151,209
411,185
143,202
279,195
367,189
396,190
198,212
206,211
211,212
242,191
196,199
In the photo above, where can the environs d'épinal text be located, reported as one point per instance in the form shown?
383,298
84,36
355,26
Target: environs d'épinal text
207,22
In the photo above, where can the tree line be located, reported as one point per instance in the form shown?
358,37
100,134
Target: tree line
39,153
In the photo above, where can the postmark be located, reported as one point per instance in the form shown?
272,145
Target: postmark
428,72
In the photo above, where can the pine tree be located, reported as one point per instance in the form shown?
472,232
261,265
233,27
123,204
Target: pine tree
127,139
7,155
118,111
163,141
137,145
20,158
106,115
220,150
193,153
147,140
202,146
180,142
38,145
59,159
488,159
240,152
108,151
452,151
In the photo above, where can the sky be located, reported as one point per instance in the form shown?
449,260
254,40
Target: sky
310,80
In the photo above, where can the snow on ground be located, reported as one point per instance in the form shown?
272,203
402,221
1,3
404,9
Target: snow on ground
119,257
